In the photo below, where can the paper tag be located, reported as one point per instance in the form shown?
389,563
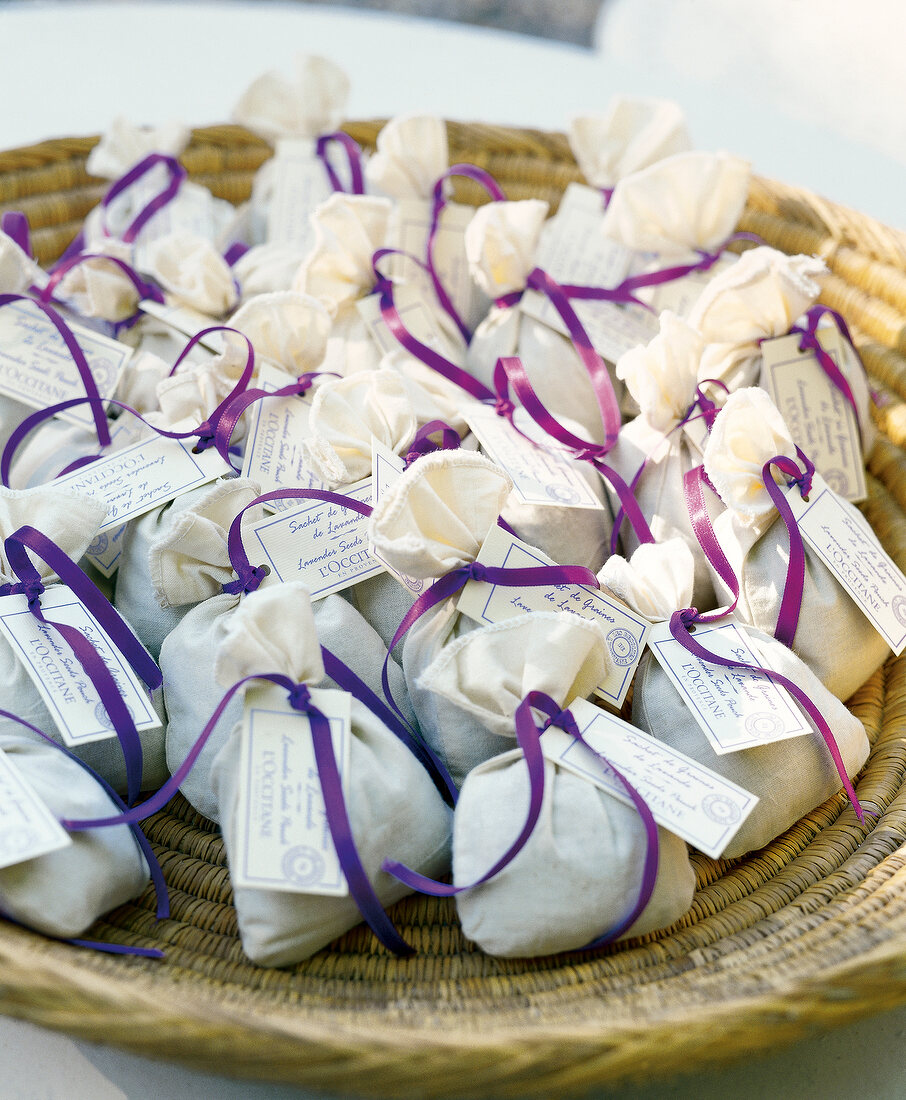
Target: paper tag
410,224
323,545
625,632
541,475
65,688
685,797
415,313
149,473
187,321
104,552
821,421
37,368
387,468
275,453
283,841
574,251
844,541
736,708
27,827
300,183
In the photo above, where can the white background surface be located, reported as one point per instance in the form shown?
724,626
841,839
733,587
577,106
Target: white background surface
811,92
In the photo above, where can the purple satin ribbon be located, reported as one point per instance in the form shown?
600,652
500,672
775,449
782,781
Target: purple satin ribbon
791,600
706,261
143,288
206,433
177,176
249,576
78,357
809,341
15,225
702,408
120,633
157,876
331,789
431,358
681,623
487,181
239,401
597,370
353,153
234,253
509,369
454,581
422,443
528,737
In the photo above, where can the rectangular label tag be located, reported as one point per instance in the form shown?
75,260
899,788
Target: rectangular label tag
187,321
323,545
299,183
104,553
625,632
37,368
415,314
844,541
820,419
574,251
542,475
65,688
283,841
275,452
410,224
685,797
143,476
736,709
27,827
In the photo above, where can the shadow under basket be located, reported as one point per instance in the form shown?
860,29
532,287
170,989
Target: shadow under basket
806,934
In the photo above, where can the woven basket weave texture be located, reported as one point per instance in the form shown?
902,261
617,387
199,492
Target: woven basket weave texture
809,932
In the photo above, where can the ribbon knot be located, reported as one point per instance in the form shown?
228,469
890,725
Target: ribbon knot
688,616
563,720
300,698
475,571
509,300
591,454
32,590
249,578
206,437
505,408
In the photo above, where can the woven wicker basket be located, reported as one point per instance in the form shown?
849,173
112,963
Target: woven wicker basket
810,932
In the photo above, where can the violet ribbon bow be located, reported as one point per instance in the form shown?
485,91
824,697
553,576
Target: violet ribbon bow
528,737
353,152
119,632
176,174
431,358
509,369
331,788
487,181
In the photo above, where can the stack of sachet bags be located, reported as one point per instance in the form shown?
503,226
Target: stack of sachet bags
355,513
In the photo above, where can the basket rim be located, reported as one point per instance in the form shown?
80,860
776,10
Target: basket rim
132,994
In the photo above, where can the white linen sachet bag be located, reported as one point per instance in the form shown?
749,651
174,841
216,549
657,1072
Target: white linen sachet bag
478,681
394,809
680,204
759,297
833,636
632,134
63,893
581,869
338,271
176,556
789,777
71,521
501,241
662,378
430,522
187,660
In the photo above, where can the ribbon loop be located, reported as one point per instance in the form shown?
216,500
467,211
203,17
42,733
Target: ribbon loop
176,174
353,152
